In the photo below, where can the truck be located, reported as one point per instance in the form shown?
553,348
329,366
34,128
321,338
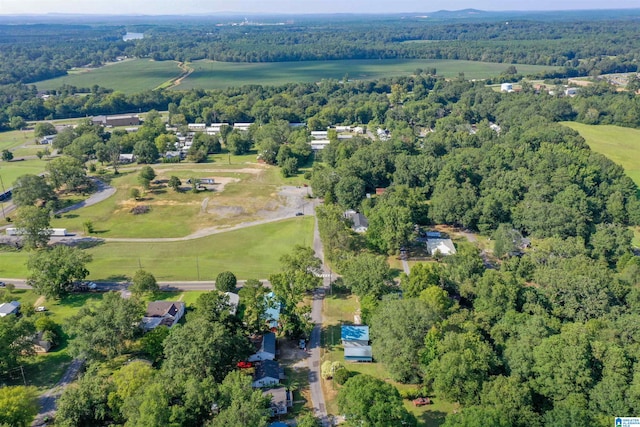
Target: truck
57,232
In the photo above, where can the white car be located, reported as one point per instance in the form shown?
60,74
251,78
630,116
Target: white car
41,308
91,285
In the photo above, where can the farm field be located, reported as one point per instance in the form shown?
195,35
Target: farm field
340,308
214,75
129,77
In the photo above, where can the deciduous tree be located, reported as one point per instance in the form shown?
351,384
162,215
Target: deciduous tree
18,405
53,272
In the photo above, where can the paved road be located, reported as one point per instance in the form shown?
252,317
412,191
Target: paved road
48,399
103,192
315,378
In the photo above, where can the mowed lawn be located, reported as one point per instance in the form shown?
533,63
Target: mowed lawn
129,77
10,171
250,253
213,75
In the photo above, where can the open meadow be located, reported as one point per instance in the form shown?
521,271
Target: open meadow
129,77
214,75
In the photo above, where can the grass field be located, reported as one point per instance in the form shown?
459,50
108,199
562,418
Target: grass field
252,252
250,188
339,308
128,76
212,75
620,144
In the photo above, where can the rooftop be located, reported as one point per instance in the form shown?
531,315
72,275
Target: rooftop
355,333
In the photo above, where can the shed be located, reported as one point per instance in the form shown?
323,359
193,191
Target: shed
358,333
267,349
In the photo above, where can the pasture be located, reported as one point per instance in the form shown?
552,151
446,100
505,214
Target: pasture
128,77
620,144
215,75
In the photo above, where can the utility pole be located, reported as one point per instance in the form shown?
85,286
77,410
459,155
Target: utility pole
198,268
3,194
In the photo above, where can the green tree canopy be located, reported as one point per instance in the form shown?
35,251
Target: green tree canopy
53,272
226,282
33,222
143,282
32,189
372,402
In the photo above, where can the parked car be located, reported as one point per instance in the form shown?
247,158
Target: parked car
299,213
302,344
41,308
2,284
245,365
421,401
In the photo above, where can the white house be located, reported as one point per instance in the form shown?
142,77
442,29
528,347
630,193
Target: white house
8,308
166,313
126,158
442,245
234,301
267,374
267,349
319,144
506,87
359,222
197,127
319,134
242,126
280,400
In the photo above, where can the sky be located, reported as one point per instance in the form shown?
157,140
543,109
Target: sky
188,7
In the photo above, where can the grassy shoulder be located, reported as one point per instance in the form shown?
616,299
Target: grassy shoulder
340,308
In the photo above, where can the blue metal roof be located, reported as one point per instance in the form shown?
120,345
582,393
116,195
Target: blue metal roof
355,333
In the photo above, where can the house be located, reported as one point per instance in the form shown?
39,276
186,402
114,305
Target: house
319,144
242,126
357,333
234,301
267,349
359,222
571,91
319,134
341,129
166,313
267,373
197,127
444,246
355,340
126,158
280,400
506,87
8,308
173,155
40,345
48,139
354,351
120,120
209,181
358,129
272,313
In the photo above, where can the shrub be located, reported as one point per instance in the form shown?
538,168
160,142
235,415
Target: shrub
341,375
139,210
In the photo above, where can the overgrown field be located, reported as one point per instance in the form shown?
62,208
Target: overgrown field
128,76
211,74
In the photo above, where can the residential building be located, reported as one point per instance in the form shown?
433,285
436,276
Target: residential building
267,350
281,400
359,222
166,313
119,120
267,373
8,308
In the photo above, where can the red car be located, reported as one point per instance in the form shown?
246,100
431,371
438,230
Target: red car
421,401
245,365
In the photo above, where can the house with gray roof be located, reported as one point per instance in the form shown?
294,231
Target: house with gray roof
166,313
267,374
267,349
8,308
